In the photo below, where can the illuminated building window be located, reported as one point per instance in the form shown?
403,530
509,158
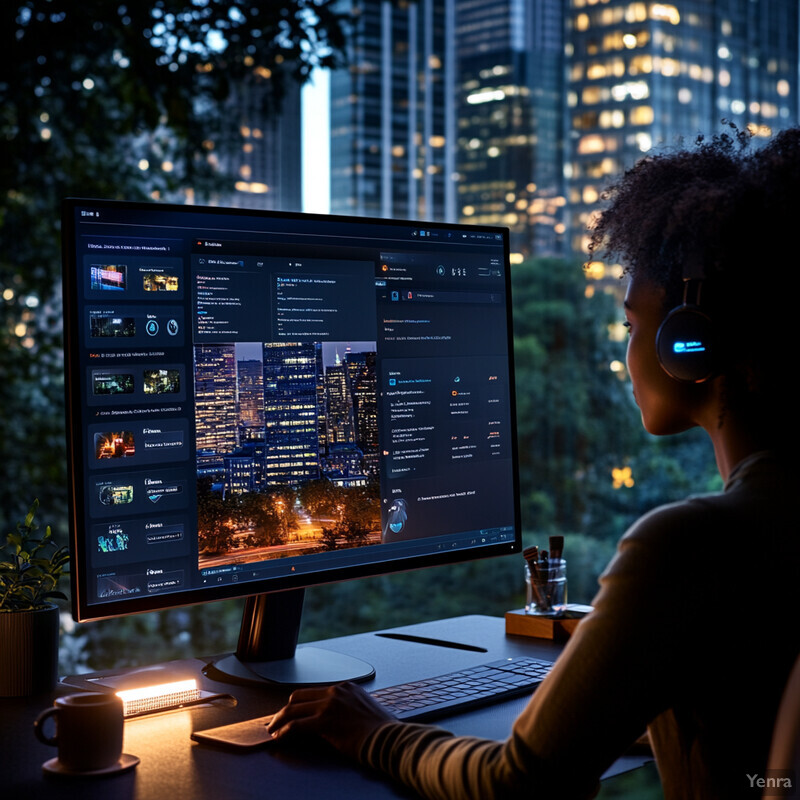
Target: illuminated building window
612,119
642,64
594,94
663,12
642,115
634,90
760,130
636,12
596,71
591,144
611,16
668,67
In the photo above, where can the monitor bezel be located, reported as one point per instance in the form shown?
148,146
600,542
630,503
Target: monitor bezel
82,610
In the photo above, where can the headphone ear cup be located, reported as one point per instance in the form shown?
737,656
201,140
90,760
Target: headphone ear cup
685,345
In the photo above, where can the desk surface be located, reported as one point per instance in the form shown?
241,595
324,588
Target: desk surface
174,767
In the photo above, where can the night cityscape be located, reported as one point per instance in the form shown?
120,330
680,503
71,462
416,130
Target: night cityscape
287,449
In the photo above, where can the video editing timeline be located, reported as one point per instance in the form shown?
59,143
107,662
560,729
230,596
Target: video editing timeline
257,405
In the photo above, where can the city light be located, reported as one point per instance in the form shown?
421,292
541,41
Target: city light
622,476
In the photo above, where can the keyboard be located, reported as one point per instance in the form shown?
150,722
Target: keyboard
463,690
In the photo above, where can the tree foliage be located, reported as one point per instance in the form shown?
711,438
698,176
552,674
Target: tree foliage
576,417
112,100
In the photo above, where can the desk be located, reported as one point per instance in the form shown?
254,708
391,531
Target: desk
174,767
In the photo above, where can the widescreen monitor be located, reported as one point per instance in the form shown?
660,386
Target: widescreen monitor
259,402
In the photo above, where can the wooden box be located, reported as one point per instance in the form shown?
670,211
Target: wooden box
518,623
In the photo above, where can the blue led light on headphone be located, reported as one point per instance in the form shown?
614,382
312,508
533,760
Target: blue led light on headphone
685,342
688,347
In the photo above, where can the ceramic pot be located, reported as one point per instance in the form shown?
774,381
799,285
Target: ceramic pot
28,651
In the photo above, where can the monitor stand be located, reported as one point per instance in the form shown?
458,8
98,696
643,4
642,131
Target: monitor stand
267,650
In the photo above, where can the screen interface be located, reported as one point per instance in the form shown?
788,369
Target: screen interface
285,398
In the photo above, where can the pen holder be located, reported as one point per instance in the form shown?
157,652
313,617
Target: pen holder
547,589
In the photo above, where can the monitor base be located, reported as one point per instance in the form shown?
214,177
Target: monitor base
310,666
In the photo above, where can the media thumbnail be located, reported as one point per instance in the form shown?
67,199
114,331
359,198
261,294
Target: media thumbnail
109,277
112,383
161,381
113,543
114,444
159,282
118,585
111,495
103,326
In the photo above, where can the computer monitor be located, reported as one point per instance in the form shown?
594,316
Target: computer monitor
259,402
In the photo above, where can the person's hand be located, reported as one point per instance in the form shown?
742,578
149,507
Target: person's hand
344,715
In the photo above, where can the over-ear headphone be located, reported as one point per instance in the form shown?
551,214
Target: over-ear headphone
685,340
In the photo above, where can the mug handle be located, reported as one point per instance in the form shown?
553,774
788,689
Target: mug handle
38,727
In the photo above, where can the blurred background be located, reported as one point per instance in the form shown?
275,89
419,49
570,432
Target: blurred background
500,112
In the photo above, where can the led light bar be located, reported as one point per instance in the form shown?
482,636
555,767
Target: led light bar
161,697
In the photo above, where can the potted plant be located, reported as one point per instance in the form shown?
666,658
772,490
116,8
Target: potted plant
30,568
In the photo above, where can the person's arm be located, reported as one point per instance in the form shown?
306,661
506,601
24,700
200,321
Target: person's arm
609,682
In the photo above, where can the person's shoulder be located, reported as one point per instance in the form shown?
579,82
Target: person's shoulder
664,522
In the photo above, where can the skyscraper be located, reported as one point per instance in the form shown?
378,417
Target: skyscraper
341,421
265,155
515,113
250,400
450,110
392,115
642,75
291,440
364,385
508,95
215,400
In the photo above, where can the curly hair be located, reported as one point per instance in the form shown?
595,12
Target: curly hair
731,209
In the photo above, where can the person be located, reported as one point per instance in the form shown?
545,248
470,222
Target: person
693,634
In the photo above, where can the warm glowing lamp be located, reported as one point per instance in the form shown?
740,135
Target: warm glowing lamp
162,697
